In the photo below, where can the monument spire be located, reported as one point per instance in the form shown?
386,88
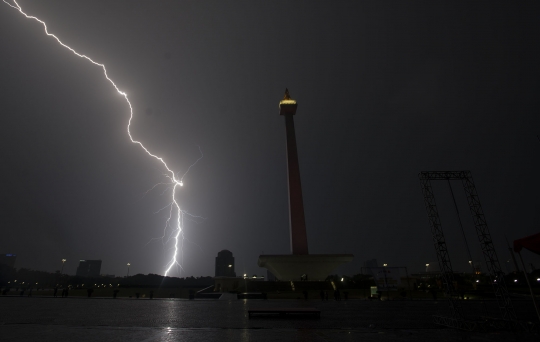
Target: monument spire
300,265
297,222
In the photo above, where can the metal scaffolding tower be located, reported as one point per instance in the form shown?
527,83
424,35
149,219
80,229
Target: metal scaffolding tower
457,320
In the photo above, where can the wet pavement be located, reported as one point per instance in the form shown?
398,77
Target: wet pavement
83,319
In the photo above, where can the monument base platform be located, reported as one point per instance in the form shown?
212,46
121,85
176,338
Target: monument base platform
292,267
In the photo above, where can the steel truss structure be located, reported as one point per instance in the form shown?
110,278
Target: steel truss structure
457,320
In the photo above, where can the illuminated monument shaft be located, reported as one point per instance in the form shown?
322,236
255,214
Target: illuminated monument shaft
300,265
299,245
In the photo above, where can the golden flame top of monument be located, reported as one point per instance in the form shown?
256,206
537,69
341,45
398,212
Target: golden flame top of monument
287,98
287,105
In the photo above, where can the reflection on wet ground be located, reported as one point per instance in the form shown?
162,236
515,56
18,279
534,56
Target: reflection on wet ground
83,319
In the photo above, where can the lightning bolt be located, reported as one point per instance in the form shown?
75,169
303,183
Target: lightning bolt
175,182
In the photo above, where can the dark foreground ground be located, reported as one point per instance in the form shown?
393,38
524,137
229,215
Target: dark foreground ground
83,319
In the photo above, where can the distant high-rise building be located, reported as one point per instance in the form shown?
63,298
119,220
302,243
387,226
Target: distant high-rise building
225,264
8,259
89,268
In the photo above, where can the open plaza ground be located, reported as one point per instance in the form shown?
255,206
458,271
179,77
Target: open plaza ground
105,319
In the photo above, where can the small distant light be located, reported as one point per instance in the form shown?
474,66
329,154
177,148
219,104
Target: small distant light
427,265
495,280
478,281
245,275
341,279
385,265
537,279
515,280
230,265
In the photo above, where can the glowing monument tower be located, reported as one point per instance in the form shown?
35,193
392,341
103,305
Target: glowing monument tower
299,264
297,222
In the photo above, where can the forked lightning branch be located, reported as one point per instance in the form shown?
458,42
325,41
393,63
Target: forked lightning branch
176,213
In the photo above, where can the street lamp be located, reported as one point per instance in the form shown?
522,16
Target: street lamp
427,267
386,283
128,264
62,269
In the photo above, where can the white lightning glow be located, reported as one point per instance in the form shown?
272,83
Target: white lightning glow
175,209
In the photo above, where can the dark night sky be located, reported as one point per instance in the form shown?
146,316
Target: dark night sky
386,89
